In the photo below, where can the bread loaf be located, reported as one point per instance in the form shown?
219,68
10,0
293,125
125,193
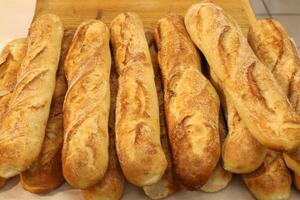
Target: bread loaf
168,184
10,61
273,47
137,114
86,106
220,178
23,125
271,181
45,174
111,187
191,105
258,98
241,152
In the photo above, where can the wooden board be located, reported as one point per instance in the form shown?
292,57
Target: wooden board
73,12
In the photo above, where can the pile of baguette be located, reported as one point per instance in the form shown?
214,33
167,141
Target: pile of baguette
153,115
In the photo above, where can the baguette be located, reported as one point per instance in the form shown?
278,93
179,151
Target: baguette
272,181
220,178
10,62
168,184
241,152
258,98
111,187
86,107
191,105
23,125
273,47
137,114
45,174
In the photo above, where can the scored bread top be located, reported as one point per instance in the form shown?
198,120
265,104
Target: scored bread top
137,115
191,104
23,126
258,98
86,107
273,46
10,62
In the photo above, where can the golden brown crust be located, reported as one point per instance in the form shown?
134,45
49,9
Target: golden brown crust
168,184
43,178
111,187
191,105
241,152
258,98
86,107
137,114
45,174
10,62
273,46
220,178
23,126
292,160
2,182
272,181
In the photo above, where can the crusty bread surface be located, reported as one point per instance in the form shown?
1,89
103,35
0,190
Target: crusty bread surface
258,98
87,67
138,145
23,125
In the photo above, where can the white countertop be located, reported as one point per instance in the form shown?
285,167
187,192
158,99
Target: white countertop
235,191
15,19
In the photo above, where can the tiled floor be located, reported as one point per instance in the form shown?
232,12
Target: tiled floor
285,11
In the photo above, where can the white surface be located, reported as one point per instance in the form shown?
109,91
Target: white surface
258,7
235,191
283,6
15,18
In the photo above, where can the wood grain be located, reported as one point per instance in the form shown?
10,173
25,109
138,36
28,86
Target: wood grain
73,12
